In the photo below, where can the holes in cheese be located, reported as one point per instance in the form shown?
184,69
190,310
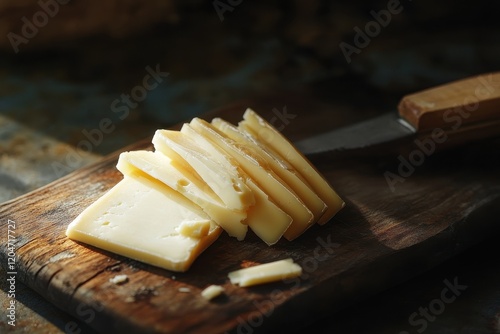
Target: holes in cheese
142,220
251,162
265,273
184,180
260,128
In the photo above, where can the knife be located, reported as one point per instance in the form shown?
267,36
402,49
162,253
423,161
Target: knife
433,119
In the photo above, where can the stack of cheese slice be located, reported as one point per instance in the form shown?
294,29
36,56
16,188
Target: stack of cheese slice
174,202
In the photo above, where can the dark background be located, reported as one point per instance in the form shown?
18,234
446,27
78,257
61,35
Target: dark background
64,79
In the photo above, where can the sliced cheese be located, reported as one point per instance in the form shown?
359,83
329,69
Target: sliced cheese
257,168
265,273
140,218
221,175
265,218
263,130
185,181
281,167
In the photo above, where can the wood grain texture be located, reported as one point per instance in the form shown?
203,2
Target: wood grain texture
380,238
466,101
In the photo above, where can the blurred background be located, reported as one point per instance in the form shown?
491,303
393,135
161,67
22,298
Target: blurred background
65,66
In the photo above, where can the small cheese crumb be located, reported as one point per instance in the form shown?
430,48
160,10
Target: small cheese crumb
212,291
184,290
265,273
119,279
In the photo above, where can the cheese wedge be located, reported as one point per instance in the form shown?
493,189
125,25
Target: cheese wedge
265,273
257,168
263,130
142,219
186,182
222,175
265,218
281,167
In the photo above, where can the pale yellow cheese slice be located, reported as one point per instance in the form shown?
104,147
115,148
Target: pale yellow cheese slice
265,218
141,219
265,273
257,168
221,175
260,128
185,181
281,167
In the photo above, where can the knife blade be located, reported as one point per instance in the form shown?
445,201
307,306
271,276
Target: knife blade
383,129
450,114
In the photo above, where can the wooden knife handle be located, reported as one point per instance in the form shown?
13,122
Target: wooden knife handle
453,105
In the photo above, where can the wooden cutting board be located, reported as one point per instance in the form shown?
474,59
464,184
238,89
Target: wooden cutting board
379,239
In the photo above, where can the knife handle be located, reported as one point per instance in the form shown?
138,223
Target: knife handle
454,105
